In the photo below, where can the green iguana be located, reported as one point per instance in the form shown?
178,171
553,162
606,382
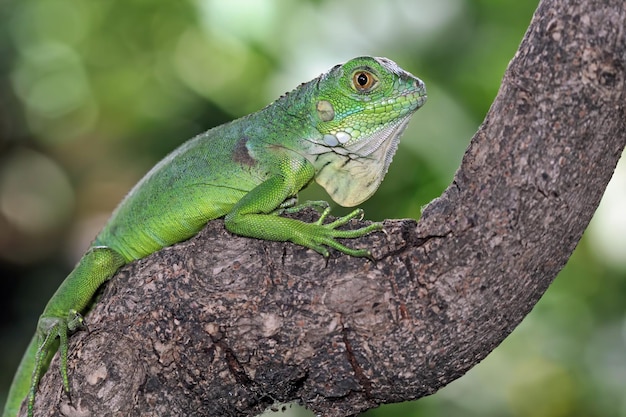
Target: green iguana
340,129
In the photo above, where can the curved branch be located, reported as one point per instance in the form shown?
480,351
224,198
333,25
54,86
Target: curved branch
223,325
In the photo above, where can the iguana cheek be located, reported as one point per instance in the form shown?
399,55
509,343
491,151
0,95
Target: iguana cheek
331,140
343,137
334,139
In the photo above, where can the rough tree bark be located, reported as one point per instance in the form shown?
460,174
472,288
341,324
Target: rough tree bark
223,325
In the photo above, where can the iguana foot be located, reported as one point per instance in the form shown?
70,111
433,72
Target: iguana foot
319,235
52,330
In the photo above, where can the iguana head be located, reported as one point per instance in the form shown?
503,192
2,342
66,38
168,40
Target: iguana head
360,110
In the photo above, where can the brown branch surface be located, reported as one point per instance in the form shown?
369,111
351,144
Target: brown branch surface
224,325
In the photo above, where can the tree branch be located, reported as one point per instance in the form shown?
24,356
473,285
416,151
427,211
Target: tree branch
224,325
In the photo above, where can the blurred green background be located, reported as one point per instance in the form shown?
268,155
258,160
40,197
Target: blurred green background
94,92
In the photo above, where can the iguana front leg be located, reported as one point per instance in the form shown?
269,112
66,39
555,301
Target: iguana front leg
255,214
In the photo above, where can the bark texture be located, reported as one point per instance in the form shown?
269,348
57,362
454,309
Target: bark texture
223,326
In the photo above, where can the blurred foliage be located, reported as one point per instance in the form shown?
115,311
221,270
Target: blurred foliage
93,93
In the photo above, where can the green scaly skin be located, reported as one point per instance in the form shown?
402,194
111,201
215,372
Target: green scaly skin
340,129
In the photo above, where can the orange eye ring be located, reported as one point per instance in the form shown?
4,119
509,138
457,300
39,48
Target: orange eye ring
363,81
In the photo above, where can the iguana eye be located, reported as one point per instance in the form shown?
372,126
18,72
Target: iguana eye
363,81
